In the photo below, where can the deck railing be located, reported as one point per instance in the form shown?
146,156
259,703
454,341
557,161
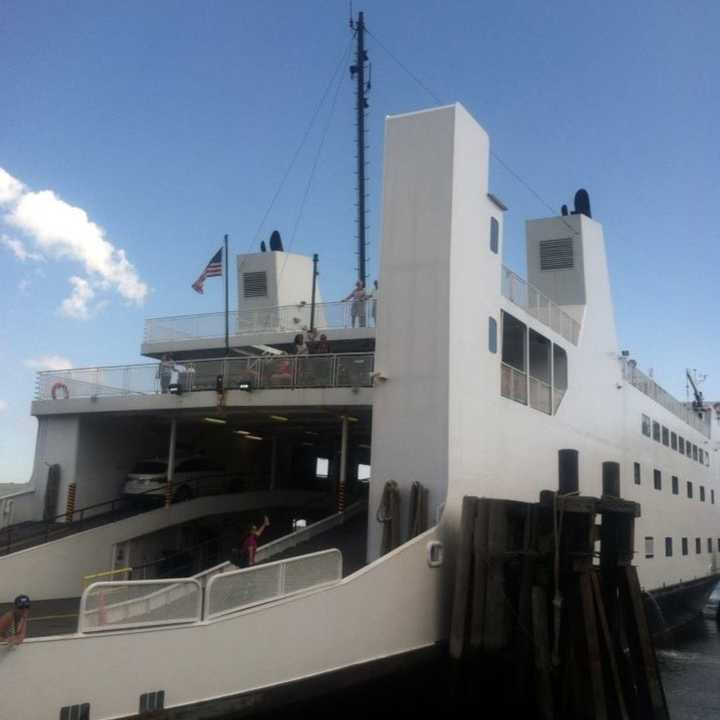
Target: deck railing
245,373
282,318
528,297
647,385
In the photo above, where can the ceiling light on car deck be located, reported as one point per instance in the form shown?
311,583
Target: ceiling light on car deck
253,437
216,421
242,432
279,418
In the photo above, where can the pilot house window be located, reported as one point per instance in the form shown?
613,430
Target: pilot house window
494,235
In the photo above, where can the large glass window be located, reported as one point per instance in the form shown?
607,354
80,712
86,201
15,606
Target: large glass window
675,485
513,378
681,445
665,436
513,342
560,375
494,235
673,441
668,547
636,472
539,349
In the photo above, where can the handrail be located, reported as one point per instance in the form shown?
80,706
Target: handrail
50,530
278,318
527,296
352,369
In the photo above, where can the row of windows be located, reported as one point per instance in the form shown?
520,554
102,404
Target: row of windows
650,546
534,370
675,482
651,428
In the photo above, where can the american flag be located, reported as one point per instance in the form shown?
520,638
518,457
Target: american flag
213,269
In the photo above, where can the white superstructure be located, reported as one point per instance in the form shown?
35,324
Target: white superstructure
470,384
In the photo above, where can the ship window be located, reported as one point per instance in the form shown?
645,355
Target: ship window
698,546
688,448
718,544
665,436
649,547
540,390
675,485
689,489
255,284
673,441
494,235
695,452
636,471
656,431
646,425
681,445
322,466
707,458
709,545
668,547
712,497
702,493
492,335
657,479
556,254
560,375
684,546
513,342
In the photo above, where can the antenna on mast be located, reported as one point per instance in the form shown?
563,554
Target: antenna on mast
357,73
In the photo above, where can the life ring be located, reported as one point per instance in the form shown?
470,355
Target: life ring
59,387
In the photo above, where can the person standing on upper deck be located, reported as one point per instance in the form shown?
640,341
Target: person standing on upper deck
13,623
374,297
167,365
357,309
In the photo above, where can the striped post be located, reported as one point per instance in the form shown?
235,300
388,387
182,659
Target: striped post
70,504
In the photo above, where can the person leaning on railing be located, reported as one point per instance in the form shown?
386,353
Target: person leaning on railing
13,624
245,555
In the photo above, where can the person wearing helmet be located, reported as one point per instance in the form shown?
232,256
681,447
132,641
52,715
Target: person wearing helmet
13,624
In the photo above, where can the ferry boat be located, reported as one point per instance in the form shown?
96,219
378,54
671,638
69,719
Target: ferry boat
466,380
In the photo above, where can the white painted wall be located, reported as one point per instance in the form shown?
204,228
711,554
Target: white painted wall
410,409
56,569
288,640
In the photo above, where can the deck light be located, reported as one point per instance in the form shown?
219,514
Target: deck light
242,432
253,437
311,432
364,445
217,421
350,418
279,418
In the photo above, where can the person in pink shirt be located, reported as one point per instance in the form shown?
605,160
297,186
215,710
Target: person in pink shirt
249,544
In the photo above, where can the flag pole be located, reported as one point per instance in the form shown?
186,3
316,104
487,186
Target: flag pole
227,323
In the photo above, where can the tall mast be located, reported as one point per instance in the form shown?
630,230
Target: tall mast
357,72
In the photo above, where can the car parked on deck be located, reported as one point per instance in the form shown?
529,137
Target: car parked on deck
193,476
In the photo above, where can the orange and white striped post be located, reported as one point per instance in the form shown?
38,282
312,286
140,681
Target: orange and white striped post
70,503
343,465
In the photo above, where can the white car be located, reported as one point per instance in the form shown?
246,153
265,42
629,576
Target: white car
193,476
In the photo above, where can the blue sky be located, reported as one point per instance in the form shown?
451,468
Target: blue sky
169,124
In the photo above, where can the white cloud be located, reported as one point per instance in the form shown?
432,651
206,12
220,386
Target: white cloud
77,305
64,231
19,250
10,188
3,406
48,362
24,285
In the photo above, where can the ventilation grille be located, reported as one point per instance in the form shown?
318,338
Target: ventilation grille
152,701
255,284
556,254
75,712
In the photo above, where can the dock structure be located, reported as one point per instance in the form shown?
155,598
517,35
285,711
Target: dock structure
547,603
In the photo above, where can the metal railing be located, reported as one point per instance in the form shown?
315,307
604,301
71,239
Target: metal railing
14,538
232,591
262,372
540,395
647,385
140,603
513,384
282,318
528,297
